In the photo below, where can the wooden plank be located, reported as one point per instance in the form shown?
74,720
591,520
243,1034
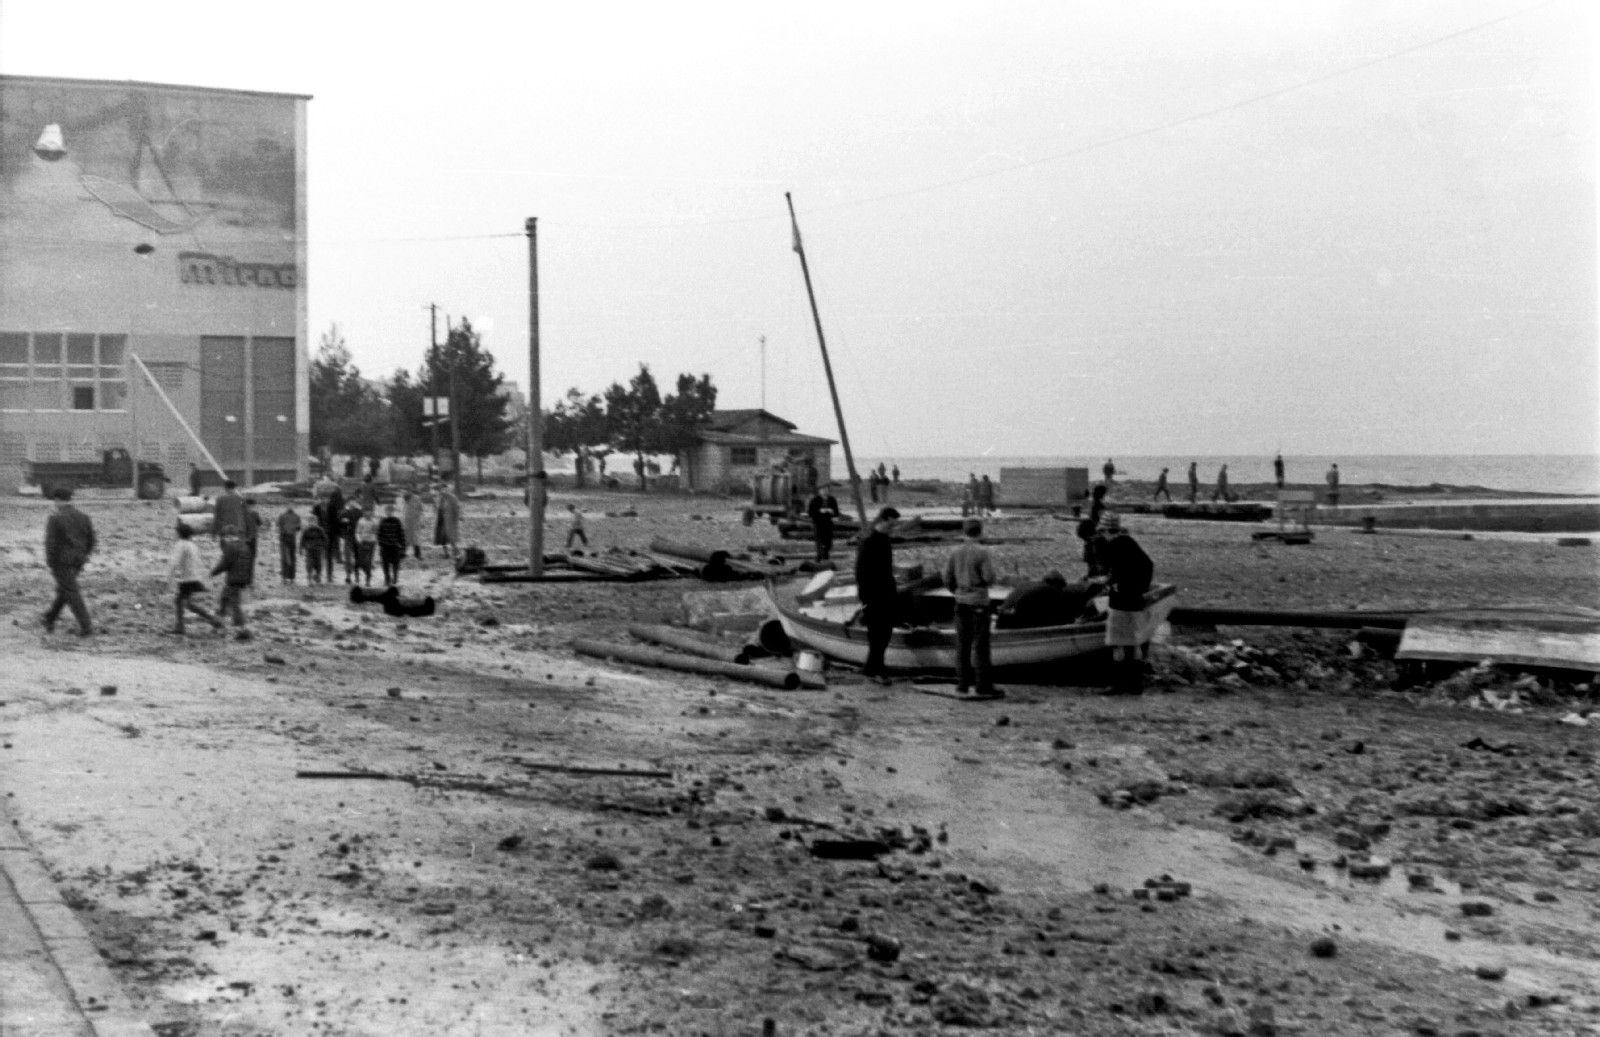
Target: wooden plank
1554,639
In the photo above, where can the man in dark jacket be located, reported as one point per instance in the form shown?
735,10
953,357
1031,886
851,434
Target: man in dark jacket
227,512
68,543
1130,572
823,508
391,545
876,590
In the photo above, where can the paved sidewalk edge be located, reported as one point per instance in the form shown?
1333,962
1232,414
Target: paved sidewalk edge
97,995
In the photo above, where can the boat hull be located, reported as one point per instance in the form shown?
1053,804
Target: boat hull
932,650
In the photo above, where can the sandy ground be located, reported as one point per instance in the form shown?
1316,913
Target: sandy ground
464,892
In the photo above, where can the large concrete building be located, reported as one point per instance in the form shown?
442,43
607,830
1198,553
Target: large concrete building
153,277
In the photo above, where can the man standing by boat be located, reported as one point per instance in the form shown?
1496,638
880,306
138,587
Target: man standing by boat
877,592
1194,482
1131,573
968,574
1333,486
1277,470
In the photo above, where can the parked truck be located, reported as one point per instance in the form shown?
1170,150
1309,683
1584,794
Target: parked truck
115,468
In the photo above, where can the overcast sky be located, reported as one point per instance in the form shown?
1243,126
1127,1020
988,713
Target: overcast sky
1034,228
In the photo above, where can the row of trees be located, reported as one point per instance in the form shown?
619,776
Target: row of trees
355,416
632,419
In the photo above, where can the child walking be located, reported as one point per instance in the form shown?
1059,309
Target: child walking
313,542
238,566
185,570
391,545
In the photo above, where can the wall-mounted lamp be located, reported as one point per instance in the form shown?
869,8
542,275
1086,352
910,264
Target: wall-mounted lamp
50,146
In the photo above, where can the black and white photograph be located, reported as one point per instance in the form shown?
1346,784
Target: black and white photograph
870,519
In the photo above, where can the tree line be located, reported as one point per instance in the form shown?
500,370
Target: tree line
353,415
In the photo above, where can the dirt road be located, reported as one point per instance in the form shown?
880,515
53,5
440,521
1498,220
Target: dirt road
455,889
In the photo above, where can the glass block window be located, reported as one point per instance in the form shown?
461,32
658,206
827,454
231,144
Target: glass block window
742,455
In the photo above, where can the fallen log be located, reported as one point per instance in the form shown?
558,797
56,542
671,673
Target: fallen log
1230,617
684,641
787,680
603,772
707,555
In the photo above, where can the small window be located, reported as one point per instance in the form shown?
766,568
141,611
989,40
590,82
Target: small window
80,349
113,395
83,397
111,349
47,349
13,348
742,455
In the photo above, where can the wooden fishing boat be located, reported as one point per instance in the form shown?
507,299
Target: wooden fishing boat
823,618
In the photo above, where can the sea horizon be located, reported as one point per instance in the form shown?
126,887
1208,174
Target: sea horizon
1532,473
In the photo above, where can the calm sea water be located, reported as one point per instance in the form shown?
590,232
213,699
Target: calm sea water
1543,473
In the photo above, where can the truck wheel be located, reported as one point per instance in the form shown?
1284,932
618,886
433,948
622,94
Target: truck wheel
152,487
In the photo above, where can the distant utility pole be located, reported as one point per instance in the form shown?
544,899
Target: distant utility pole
536,472
455,415
429,409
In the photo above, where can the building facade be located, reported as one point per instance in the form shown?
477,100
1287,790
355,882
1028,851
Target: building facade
736,446
153,277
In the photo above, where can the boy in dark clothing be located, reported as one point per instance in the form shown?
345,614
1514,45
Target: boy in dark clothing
313,543
877,592
332,526
236,569
391,545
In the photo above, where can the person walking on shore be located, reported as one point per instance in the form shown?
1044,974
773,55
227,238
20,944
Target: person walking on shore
985,496
1222,486
1333,485
288,546
331,519
234,567
186,570
447,520
1131,572
252,534
411,505
1194,482
391,545
68,543
576,531
877,591
313,544
968,575
1277,470
1161,486
822,509
227,512
346,545
364,536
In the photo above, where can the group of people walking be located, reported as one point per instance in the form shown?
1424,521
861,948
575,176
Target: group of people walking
350,532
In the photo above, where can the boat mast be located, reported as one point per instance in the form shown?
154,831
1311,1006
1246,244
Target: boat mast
833,390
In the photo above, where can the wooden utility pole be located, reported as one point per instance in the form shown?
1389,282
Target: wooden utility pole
428,404
455,415
833,390
536,472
